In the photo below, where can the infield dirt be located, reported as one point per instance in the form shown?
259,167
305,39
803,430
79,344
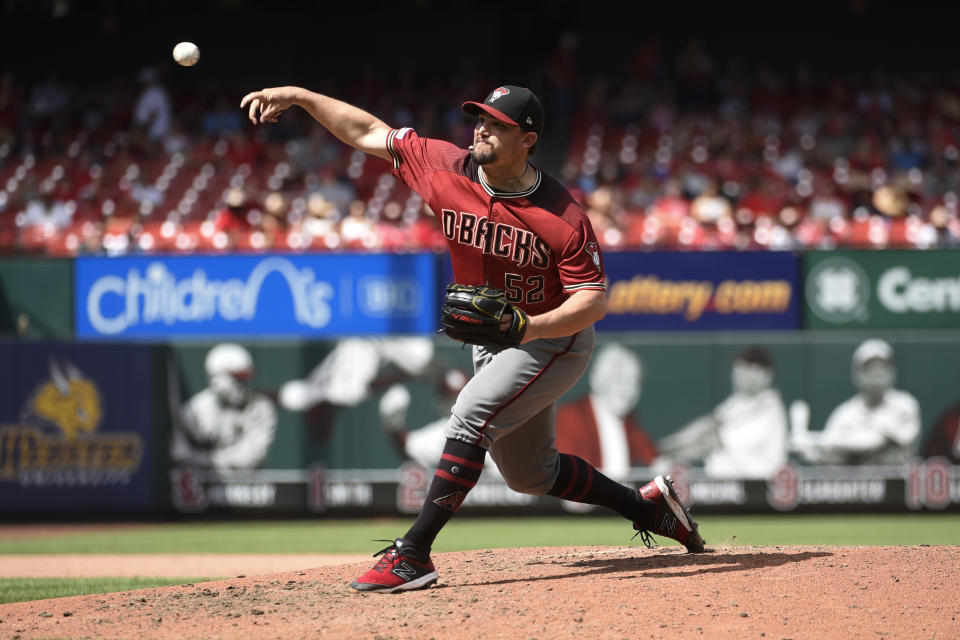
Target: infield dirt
558,592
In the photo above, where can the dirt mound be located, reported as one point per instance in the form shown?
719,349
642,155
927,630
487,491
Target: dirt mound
562,592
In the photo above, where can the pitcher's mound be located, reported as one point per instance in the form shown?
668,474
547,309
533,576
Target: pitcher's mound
548,593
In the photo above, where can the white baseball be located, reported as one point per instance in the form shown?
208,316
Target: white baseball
186,54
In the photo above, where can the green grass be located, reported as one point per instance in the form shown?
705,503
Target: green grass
23,589
356,536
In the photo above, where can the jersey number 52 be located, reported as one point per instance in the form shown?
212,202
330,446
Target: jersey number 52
529,292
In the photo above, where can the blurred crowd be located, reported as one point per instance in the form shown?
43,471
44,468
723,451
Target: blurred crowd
680,151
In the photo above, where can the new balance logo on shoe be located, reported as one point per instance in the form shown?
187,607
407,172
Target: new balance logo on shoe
400,568
669,524
669,516
404,571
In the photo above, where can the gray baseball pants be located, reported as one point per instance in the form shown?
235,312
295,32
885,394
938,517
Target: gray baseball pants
509,406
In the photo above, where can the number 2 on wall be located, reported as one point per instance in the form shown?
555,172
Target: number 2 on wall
516,292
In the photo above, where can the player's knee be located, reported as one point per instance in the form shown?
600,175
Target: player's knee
459,429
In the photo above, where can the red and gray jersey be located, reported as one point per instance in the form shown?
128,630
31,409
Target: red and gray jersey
537,245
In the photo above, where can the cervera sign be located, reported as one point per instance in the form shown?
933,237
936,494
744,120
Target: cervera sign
263,295
882,289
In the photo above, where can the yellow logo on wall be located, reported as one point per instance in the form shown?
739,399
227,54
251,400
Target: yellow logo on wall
77,455
647,294
73,403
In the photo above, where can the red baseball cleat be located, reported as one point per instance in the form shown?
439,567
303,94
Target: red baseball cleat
670,517
402,568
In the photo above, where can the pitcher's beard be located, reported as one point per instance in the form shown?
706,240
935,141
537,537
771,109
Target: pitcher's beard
483,157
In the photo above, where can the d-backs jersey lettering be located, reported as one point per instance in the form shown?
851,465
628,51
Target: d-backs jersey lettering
537,245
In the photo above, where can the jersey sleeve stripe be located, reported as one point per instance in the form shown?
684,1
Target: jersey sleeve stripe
393,153
595,286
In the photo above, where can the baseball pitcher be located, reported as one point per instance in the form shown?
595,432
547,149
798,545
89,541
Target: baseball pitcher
529,286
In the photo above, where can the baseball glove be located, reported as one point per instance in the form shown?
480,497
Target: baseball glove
472,314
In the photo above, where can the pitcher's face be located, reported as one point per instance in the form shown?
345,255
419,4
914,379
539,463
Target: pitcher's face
495,141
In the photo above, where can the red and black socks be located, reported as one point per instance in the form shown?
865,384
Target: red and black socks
458,472
579,481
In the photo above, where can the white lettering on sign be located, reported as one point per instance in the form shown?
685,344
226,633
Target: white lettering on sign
393,296
349,494
242,495
164,299
842,491
900,292
718,492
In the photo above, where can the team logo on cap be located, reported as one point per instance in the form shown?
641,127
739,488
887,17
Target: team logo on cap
498,92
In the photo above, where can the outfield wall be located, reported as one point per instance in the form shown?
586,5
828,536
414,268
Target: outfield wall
103,356
90,426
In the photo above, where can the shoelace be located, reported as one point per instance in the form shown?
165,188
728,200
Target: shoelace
388,554
645,537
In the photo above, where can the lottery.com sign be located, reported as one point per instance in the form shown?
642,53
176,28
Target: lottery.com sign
263,295
680,291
